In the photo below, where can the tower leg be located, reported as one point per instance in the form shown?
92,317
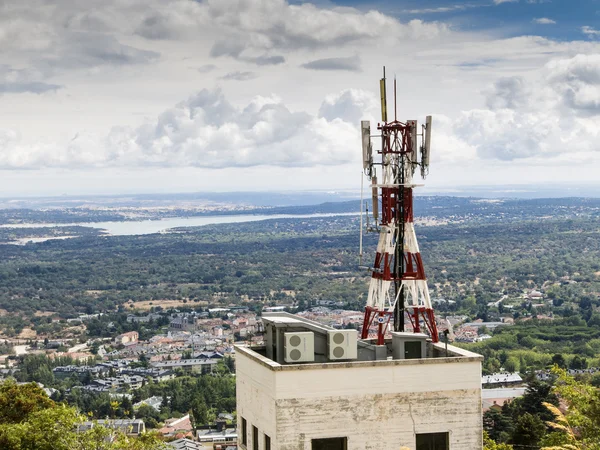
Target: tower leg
417,321
364,334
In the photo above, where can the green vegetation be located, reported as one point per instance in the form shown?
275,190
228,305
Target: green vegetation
204,396
537,421
29,420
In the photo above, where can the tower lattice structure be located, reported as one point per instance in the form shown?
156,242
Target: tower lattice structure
398,287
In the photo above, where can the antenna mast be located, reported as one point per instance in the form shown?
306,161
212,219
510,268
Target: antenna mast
398,261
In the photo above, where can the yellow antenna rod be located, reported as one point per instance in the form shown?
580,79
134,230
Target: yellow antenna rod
383,98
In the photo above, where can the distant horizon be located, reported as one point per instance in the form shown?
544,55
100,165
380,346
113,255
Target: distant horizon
509,191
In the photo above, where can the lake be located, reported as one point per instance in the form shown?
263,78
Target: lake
139,227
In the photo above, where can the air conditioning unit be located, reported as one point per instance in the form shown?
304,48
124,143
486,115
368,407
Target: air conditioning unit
299,347
341,344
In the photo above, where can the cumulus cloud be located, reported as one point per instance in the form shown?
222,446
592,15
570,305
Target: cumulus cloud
551,118
577,82
590,31
17,81
239,76
508,92
544,21
53,38
254,28
206,68
351,64
350,105
207,131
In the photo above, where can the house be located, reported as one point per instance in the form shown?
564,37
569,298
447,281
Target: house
154,402
501,379
219,437
127,338
496,398
176,426
188,365
132,427
185,444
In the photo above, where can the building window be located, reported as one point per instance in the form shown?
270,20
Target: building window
254,438
433,441
339,443
244,432
267,442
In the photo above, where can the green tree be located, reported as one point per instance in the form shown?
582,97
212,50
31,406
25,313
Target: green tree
559,360
489,444
31,421
18,401
499,426
528,431
583,412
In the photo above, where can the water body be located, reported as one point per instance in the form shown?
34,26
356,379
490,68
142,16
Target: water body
140,227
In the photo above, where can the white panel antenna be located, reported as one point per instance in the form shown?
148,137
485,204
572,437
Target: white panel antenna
299,347
426,144
367,149
342,344
413,138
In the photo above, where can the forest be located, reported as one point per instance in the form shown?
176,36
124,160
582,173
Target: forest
471,263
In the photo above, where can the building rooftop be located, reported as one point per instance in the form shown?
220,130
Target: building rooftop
501,378
317,349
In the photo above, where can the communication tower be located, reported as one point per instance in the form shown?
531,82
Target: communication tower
398,287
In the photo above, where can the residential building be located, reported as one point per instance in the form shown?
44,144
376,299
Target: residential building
501,379
131,427
128,338
496,398
220,437
189,365
178,427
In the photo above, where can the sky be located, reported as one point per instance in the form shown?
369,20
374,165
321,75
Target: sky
132,96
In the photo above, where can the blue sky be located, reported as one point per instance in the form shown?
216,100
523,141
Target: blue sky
508,18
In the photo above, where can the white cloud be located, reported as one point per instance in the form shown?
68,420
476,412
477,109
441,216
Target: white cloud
350,105
350,64
544,21
207,131
550,119
239,75
590,32
499,2
16,81
577,82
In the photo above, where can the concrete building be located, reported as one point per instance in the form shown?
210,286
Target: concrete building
408,393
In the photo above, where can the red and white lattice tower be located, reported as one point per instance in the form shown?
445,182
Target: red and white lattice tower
398,286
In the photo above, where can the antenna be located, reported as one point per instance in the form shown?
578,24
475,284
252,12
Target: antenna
375,199
360,250
426,147
414,156
395,107
383,98
366,144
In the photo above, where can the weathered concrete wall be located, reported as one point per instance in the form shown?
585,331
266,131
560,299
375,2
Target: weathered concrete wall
255,390
381,421
377,405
